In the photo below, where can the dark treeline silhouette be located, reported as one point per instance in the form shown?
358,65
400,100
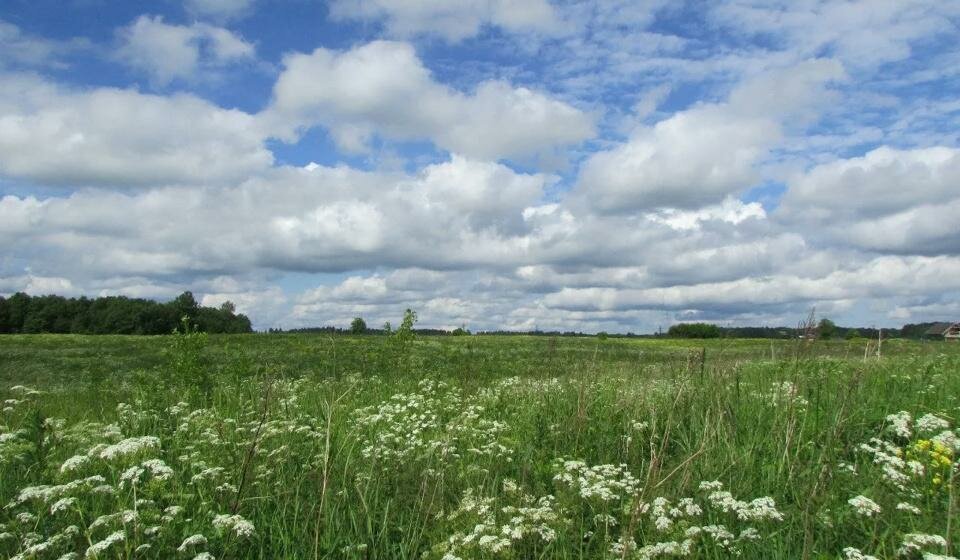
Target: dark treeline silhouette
681,330
551,333
366,331
826,330
21,313
459,331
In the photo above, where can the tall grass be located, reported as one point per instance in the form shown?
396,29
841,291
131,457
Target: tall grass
465,448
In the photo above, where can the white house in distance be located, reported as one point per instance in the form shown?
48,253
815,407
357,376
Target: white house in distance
948,331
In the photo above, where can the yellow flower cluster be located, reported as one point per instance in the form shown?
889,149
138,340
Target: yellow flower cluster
937,455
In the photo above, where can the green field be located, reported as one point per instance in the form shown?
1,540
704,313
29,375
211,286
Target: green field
314,446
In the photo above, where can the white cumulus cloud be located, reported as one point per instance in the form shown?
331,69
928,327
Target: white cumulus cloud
451,20
167,52
383,88
892,200
703,154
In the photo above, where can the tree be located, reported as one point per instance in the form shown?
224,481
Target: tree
853,334
827,329
17,308
694,330
4,316
185,305
358,326
401,341
406,326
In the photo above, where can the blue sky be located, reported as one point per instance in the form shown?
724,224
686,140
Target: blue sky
513,164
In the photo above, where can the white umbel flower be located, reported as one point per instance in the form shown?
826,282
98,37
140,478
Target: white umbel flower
99,547
129,446
851,553
191,542
240,526
900,424
864,506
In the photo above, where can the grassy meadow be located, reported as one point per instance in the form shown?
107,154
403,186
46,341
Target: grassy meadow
316,446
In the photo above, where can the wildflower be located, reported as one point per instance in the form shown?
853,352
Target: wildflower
211,473
170,513
915,542
623,546
46,493
158,469
130,476
864,506
900,424
909,508
178,408
720,535
526,516
99,547
152,530
690,508
847,467
62,504
240,526
784,392
74,463
34,550
129,446
757,509
850,553
191,542
929,423
493,543
948,439
668,548
605,482
605,519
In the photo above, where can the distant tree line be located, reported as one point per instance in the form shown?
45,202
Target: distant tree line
21,313
369,331
825,330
